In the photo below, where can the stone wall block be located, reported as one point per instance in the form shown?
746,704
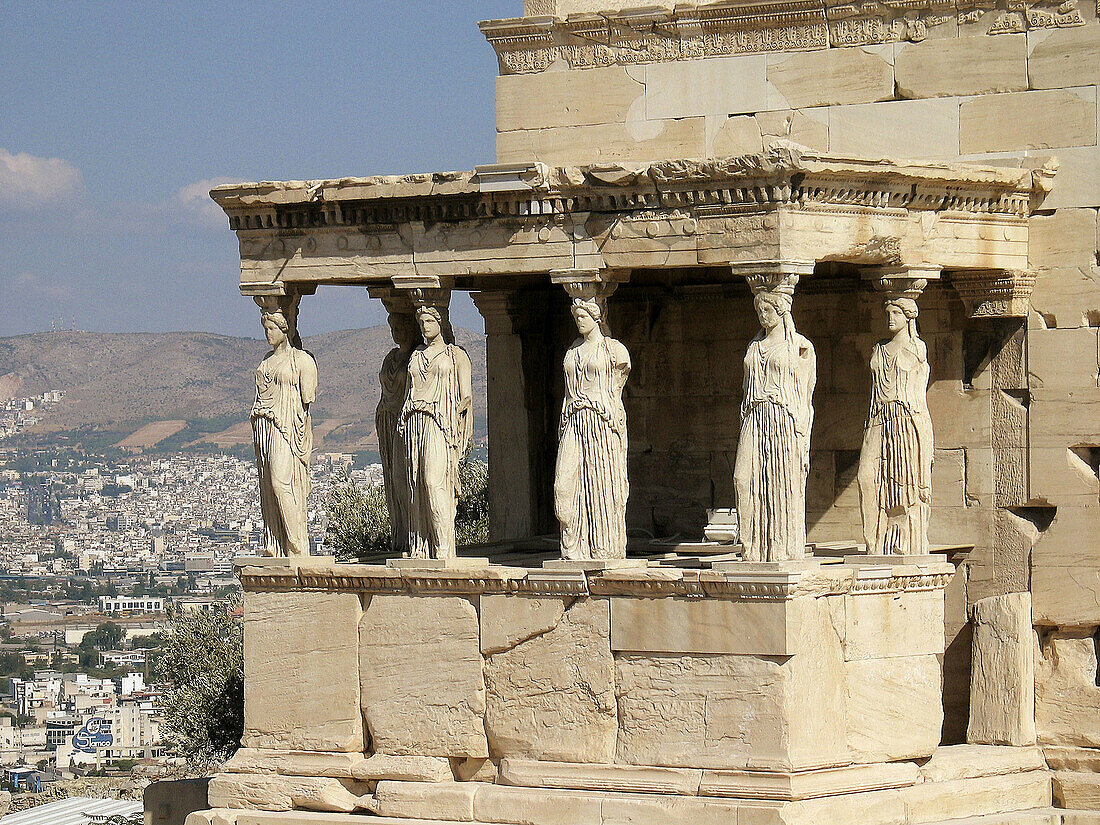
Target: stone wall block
406,644
1064,57
1065,575
269,792
508,620
1078,791
1067,298
895,708
453,801
1078,176
900,128
828,78
1028,120
885,625
678,711
716,86
552,696
1002,681
1061,240
807,127
636,141
738,135
1064,358
1067,699
961,66
576,98
301,682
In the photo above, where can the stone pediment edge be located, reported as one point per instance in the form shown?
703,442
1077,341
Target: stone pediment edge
786,175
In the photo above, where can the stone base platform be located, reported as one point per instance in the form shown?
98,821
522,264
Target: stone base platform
971,783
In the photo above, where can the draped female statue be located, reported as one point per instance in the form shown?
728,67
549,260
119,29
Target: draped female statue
895,463
773,451
394,380
286,384
436,426
590,480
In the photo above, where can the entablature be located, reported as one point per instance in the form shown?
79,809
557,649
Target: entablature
480,227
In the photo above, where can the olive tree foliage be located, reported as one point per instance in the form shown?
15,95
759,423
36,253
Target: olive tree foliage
358,521
202,668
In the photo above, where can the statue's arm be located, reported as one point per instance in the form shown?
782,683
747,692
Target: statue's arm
307,379
466,397
620,361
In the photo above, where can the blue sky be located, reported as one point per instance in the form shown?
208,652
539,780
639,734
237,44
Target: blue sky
116,118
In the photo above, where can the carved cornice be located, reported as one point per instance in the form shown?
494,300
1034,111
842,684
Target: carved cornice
995,294
527,45
782,178
653,583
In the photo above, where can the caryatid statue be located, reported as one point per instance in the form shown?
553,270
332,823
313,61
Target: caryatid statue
895,462
436,428
282,432
590,478
773,451
394,381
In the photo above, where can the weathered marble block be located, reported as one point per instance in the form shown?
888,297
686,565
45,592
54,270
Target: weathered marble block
761,668
301,687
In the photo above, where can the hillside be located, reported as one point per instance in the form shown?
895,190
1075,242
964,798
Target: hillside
136,388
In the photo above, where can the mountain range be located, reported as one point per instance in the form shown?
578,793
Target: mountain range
178,389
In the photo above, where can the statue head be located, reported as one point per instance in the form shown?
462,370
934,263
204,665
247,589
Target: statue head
587,315
773,308
901,315
430,320
276,326
403,329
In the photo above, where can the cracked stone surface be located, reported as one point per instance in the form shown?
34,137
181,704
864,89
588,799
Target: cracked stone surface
553,696
714,711
409,708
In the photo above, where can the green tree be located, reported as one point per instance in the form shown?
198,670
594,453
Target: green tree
358,522
107,636
202,668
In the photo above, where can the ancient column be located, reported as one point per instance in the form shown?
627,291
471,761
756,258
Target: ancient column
393,381
286,386
895,461
590,476
773,450
435,426
516,344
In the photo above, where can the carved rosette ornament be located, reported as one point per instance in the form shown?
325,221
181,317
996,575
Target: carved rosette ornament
773,449
590,476
895,461
282,431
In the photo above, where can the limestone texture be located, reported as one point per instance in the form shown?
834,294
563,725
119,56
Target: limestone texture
1066,693
285,793
302,689
829,78
507,620
947,67
409,710
425,800
553,696
1002,679
1028,120
894,708
681,710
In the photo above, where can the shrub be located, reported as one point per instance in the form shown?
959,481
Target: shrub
202,666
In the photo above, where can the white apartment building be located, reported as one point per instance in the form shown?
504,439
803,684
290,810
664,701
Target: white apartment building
131,604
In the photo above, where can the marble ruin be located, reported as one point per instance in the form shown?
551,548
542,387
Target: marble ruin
286,384
905,632
590,478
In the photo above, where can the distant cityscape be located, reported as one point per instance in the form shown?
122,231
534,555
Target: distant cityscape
96,552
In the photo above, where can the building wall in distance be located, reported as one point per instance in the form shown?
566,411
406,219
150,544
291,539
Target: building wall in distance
1018,422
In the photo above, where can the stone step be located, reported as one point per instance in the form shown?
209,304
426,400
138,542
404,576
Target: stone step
1038,816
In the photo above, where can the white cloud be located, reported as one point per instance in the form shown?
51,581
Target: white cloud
27,180
195,197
